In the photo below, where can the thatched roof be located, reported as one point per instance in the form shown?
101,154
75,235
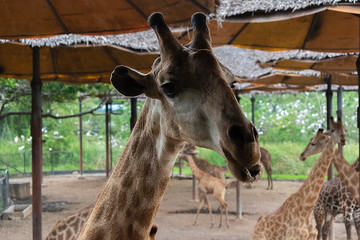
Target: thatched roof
141,41
229,8
244,62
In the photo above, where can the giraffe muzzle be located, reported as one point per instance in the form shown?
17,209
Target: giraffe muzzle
244,174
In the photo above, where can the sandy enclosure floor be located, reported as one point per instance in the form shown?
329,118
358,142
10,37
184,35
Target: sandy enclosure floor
66,195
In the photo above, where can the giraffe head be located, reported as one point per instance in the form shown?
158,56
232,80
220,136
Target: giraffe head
191,95
318,143
189,149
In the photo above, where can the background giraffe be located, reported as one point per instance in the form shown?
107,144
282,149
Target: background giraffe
292,220
334,197
348,175
265,160
346,172
213,170
208,184
69,227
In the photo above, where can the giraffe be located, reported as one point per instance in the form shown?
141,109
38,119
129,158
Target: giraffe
182,78
334,197
69,227
208,184
348,174
292,220
265,159
213,170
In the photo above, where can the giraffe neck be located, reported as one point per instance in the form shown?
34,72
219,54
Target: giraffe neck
195,170
306,197
69,227
348,175
132,194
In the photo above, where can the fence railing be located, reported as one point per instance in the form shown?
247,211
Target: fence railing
58,161
4,189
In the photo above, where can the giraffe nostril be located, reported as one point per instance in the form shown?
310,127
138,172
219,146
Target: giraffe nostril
254,170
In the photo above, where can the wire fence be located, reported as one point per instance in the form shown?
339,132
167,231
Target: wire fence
58,161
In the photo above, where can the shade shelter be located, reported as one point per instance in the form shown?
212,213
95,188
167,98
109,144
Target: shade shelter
77,64
41,18
274,88
302,80
340,64
326,28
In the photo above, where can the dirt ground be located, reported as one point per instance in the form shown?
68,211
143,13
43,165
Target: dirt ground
65,195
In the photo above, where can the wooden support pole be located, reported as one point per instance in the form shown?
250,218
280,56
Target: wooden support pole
107,121
238,200
133,102
329,95
111,154
238,183
358,108
80,135
253,109
339,111
36,126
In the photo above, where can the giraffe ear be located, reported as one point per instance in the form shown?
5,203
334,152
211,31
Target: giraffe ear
132,83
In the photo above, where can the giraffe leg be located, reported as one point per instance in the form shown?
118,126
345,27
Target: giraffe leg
271,180
326,228
210,210
226,216
221,215
201,198
224,208
319,216
356,217
347,220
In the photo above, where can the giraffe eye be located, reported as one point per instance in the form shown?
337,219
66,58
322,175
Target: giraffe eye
313,144
170,89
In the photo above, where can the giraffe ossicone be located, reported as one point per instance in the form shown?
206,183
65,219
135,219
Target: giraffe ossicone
189,99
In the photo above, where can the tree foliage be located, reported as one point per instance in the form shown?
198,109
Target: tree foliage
285,122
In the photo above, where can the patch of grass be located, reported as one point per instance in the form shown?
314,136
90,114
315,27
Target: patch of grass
289,177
